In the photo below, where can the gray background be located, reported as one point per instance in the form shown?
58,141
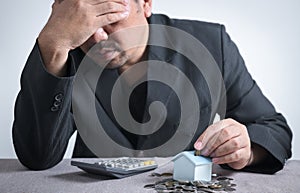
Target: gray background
266,32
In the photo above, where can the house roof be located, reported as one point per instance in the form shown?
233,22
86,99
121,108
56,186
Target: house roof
196,160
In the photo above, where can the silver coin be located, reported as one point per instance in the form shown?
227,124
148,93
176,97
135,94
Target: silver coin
154,174
224,183
188,188
160,187
222,178
198,184
163,191
206,190
170,184
149,186
229,189
183,182
166,174
178,191
164,180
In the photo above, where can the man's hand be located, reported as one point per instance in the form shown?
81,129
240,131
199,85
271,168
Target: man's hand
227,142
71,23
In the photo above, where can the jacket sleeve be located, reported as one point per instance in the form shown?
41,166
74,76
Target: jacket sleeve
43,122
247,104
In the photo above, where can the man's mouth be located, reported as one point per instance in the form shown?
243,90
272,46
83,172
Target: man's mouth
108,54
107,50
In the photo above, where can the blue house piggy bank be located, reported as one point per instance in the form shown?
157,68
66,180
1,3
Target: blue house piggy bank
188,167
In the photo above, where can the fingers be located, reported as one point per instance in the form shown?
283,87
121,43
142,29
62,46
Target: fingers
111,12
210,132
230,146
95,13
111,18
95,2
222,136
236,160
110,7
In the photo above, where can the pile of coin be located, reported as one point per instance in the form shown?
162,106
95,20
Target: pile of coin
217,184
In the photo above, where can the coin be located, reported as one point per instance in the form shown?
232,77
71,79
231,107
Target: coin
155,174
220,183
160,187
164,180
197,153
166,174
163,191
215,186
229,189
149,186
170,183
188,188
222,178
161,174
224,183
199,184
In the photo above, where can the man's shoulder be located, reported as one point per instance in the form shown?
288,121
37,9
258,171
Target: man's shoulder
188,25
209,34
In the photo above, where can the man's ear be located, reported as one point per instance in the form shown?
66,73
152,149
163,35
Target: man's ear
147,6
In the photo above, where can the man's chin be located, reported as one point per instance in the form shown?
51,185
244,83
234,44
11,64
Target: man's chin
112,66
115,63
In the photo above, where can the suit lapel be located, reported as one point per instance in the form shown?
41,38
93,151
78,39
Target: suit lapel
156,53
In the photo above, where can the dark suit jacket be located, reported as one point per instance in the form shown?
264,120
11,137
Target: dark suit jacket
43,114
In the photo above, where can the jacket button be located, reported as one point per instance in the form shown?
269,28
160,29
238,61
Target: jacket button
56,104
53,109
59,97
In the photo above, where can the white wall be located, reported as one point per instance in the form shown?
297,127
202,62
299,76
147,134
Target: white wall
266,32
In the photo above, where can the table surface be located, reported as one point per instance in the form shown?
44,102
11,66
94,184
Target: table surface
66,178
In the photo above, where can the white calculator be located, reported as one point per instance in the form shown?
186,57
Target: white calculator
117,168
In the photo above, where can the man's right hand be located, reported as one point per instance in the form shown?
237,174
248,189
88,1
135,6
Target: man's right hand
71,23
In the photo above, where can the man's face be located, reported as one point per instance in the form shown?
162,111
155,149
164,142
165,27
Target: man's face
111,43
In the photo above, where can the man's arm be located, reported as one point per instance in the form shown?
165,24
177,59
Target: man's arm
43,121
254,137
268,130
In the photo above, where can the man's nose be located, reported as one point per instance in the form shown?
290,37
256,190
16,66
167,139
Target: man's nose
99,35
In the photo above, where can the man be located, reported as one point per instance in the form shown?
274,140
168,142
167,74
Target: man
253,137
